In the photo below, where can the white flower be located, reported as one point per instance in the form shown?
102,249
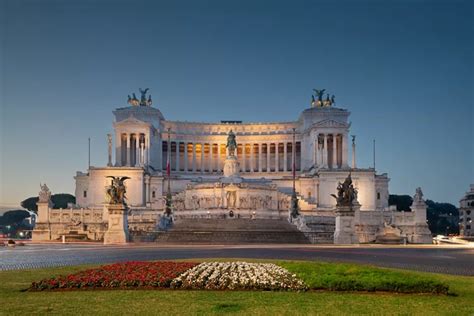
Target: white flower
238,275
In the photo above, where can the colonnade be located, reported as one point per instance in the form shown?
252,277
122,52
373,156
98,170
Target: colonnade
133,150
210,157
330,151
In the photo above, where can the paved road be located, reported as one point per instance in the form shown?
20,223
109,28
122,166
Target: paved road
450,260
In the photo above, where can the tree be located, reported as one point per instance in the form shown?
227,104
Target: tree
403,202
442,218
59,200
30,204
13,217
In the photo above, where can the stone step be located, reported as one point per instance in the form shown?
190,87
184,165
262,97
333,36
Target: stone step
225,237
235,224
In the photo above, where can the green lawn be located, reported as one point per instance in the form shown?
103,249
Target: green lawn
172,302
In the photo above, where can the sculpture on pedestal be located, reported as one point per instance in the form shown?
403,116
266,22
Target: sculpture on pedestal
44,196
231,143
418,197
231,165
346,209
117,230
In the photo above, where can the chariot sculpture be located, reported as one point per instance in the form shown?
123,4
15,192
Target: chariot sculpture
317,99
144,101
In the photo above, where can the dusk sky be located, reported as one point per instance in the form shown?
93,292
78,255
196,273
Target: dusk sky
404,69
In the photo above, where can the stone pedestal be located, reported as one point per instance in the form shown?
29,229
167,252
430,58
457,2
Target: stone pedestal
42,230
231,167
345,225
117,232
422,234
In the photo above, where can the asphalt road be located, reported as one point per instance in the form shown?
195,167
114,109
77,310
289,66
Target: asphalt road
450,260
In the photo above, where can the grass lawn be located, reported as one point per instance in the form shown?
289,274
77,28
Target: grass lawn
174,302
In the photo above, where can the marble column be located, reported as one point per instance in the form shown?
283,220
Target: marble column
277,158
315,152
147,149
268,157
344,151
128,149
242,159
194,157
285,156
259,157
160,153
118,149
202,158
177,156
185,156
211,160
252,158
334,151
137,150
218,157
147,190
325,151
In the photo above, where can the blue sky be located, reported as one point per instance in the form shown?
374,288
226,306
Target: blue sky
403,68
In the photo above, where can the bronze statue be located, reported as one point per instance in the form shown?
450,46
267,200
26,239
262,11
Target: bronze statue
231,143
346,193
320,94
116,191
143,99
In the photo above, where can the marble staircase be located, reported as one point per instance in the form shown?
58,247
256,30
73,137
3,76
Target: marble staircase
229,231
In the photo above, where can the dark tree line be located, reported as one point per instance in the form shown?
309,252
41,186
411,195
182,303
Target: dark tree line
443,218
59,201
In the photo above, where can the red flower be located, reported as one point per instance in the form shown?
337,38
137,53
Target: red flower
127,274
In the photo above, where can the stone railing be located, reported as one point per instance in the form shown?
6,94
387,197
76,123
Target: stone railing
83,215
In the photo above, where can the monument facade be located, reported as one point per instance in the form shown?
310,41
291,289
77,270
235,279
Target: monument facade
246,168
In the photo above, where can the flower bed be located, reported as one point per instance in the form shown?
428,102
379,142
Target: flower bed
120,275
238,276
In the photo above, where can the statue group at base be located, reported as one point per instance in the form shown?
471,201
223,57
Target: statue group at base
346,208
117,230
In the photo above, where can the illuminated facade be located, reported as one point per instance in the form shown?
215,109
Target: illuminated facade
316,143
198,150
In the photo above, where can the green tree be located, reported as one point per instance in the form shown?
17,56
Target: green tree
59,200
30,204
13,217
403,202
